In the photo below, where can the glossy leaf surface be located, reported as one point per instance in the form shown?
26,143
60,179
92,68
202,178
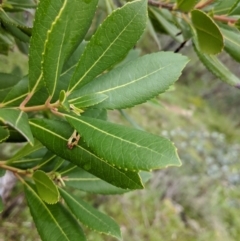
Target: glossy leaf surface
125,147
137,81
54,135
112,41
66,32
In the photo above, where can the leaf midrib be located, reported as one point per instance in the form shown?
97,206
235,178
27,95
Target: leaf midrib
91,214
102,160
116,137
69,91
50,214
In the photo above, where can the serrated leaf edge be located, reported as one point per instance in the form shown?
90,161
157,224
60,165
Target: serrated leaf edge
91,214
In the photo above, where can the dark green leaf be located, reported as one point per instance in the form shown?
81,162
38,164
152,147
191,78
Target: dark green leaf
54,135
90,217
4,134
76,177
53,222
235,10
223,7
1,205
232,41
6,41
15,5
28,156
213,64
8,80
19,121
209,36
16,32
96,113
186,5
150,75
47,190
15,27
124,147
2,172
46,21
26,150
112,41
66,32
162,22
17,94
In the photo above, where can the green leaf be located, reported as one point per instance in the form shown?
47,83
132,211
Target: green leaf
71,64
15,27
1,204
90,217
213,64
67,30
186,5
47,20
4,134
16,32
47,190
125,147
55,134
223,7
150,75
17,94
15,5
232,41
28,156
8,80
237,24
76,177
209,36
48,162
112,41
2,172
162,21
235,10
53,222
29,161
88,100
96,113
19,121
26,150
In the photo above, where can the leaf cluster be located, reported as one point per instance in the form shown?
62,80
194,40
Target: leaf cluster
212,27
60,110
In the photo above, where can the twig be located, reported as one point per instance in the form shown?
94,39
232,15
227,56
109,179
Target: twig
171,7
161,5
225,19
203,5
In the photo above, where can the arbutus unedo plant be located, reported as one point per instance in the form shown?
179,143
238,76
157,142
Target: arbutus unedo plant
60,108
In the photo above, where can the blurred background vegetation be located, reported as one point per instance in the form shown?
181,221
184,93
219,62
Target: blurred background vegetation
198,201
